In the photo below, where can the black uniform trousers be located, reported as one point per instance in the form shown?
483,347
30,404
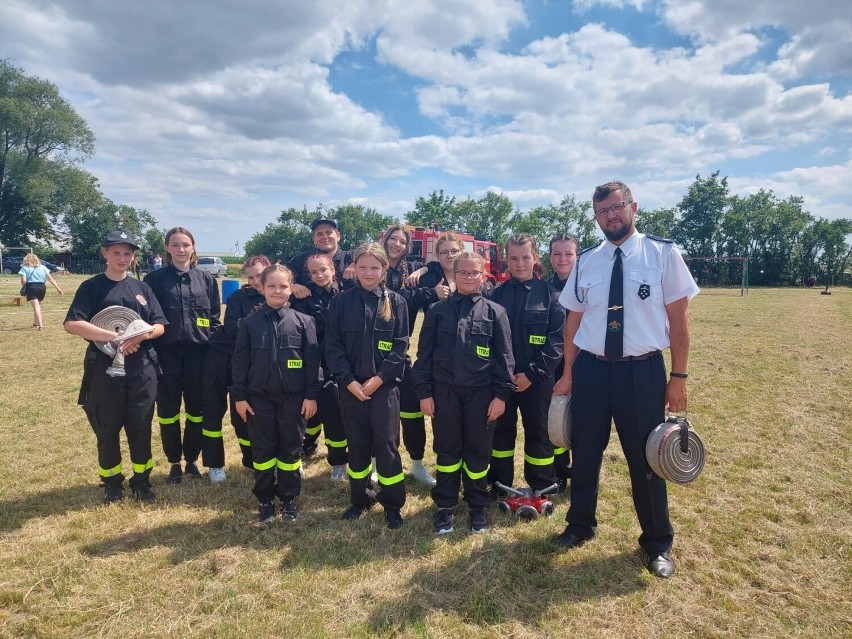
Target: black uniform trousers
372,430
276,431
633,395
413,422
533,404
128,402
182,365
561,456
217,380
329,420
462,444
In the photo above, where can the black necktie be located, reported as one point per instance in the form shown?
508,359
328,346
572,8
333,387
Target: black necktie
614,345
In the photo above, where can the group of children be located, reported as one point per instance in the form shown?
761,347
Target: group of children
324,341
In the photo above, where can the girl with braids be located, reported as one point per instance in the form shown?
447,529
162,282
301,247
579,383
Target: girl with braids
323,287
276,383
366,340
537,321
217,367
397,245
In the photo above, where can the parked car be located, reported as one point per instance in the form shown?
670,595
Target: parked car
213,265
12,265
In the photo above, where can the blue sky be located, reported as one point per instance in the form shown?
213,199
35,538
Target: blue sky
216,116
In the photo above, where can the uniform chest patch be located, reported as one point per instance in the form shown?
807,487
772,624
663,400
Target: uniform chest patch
644,291
141,300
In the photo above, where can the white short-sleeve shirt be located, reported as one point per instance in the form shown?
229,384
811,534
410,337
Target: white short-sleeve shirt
654,275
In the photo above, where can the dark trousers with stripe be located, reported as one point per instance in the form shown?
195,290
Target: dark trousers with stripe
217,379
633,395
533,405
126,402
462,444
413,422
182,366
372,430
329,420
276,431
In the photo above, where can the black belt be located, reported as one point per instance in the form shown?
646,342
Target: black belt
628,358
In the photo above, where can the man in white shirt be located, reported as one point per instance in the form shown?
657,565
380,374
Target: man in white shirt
628,297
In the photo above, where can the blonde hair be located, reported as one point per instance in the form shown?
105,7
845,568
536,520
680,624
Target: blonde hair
323,257
179,229
471,257
31,259
276,268
446,238
372,249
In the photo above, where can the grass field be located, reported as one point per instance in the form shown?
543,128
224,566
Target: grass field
763,542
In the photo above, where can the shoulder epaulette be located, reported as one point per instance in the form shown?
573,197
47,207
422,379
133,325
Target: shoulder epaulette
657,238
595,245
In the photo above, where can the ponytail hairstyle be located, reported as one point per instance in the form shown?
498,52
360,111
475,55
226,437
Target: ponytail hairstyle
372,249
565,237
325,258
167,258
449,238
254,260
522,239
403,259
276,268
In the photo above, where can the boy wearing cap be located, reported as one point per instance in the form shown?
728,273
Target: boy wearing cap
113,403
326,239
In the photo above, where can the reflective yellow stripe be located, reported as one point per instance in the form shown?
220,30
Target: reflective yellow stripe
193,418
385,346
110,472
539,340
411,415
203,322
474,475
294,363
165,421
211,433
285,466
559,451
265,465
502,454
141,468
243,442
390,481
315,430
333,443
448,469
359,474
538,461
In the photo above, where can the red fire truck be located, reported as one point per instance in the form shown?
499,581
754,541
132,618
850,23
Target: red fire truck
423,249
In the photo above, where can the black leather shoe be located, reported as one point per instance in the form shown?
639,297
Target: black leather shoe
175,474
568,540
661,565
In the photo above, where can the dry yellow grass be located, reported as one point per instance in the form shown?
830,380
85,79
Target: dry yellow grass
762,539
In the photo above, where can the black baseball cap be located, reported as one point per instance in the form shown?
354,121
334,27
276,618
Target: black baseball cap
120,237
323,220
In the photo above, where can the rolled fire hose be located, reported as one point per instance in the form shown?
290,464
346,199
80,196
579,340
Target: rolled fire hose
675,452
118,319
559,421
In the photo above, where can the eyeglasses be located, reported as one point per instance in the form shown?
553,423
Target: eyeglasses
449,253
466,275
617,208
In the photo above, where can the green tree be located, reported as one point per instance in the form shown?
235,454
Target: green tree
42,141
701,212
569,216
287,237
437,209
836,251
660,222
88,228
358,224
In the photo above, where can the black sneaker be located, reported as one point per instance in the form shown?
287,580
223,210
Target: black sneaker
309,448
144,494
444,520
113,493
175,474
192,470
288,511
561,485
478,521
394,518
266,513
354,512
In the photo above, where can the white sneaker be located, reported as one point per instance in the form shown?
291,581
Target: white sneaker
419,472
338,473
216,475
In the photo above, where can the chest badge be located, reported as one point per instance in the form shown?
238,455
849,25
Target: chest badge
644,291
614,326
141,300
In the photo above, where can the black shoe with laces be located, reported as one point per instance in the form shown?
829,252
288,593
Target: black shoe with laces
394,518
113,493
354,512
288,511
192,470
266,513
478,520
308,449
175,474
144,494
444,520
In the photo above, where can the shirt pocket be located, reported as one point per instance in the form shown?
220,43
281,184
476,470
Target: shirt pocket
480,337
383,334
590,288
645,285
535,327
261,340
